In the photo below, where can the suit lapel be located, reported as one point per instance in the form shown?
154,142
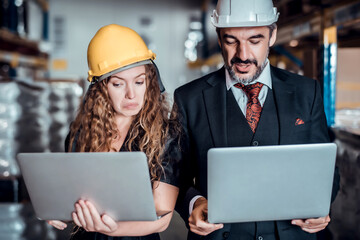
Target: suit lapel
284,94
215,104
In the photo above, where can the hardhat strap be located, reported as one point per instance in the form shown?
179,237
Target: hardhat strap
161,85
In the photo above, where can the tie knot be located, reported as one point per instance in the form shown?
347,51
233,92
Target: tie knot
251,90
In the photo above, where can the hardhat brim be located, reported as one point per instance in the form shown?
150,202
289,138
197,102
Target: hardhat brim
149,61
243,24
136,64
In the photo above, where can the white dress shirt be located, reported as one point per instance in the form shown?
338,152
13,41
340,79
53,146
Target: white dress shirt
241,98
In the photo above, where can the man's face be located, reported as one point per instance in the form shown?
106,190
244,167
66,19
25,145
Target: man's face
245,50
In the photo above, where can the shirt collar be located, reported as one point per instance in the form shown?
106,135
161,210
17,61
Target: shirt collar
265,77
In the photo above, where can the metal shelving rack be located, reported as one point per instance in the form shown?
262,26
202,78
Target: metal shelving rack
317,31
17,50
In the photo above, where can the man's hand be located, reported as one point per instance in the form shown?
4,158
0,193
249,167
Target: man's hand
198,219
312,225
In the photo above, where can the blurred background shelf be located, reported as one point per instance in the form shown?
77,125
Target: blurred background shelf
16,59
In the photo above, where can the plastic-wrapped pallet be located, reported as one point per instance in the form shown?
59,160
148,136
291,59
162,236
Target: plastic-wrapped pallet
73,97
24,127
18,222
59,121
33,126
12,225
10,113
63,98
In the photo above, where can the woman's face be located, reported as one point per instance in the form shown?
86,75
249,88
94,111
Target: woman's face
127,91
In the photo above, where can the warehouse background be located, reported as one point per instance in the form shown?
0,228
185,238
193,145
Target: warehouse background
43,72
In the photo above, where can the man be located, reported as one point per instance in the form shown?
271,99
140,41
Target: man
245,103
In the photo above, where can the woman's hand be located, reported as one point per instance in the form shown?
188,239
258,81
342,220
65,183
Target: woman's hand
87,217
57,224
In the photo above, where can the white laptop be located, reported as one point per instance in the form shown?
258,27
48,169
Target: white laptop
118,184
249,184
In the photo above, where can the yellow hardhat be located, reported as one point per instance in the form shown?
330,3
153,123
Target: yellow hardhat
115,48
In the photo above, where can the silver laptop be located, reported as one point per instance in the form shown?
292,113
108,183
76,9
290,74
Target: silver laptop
247,184
118,184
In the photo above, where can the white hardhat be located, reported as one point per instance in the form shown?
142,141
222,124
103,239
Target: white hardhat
244,13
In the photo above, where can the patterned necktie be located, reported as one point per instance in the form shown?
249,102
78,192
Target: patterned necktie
253,107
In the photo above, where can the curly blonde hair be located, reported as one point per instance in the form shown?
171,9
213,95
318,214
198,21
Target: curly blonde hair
96,128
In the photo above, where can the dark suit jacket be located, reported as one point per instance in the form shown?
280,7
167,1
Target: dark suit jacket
201,109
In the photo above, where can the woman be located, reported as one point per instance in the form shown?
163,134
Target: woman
124,110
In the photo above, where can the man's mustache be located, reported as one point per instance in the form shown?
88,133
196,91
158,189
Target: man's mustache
247,61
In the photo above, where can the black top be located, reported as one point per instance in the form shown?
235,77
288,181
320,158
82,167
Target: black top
171,158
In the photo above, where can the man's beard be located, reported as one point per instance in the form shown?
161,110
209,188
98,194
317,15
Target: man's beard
244,80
